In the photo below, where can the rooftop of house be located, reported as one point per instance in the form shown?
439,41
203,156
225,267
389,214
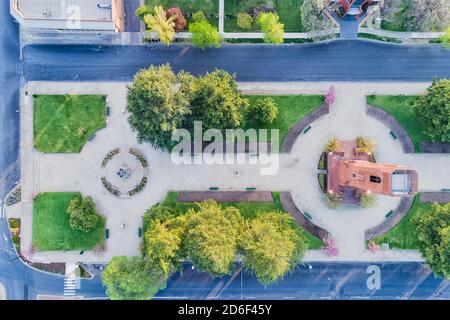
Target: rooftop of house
94,10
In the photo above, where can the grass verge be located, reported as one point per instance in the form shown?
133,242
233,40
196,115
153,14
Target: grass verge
63,123
51,229
404,235
400,107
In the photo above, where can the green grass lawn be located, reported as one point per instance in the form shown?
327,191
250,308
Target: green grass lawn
51,229
291,109
63,123
400,108
248,210
403,235
288,11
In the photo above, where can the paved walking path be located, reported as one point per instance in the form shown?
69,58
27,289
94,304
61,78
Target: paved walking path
297,170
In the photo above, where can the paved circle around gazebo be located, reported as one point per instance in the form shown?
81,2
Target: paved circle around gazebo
124,173
127,163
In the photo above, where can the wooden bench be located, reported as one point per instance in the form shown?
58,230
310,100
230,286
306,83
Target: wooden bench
389,213
393,135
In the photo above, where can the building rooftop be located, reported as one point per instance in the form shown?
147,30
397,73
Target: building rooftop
95,10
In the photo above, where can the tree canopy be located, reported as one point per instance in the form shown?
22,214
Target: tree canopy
203,33
129,278
180,20
264,110
311,17
434,110
427,15
155,108
162,24
244,21
212,237
83,215
433,229
271,247
162,247
271,26
215,100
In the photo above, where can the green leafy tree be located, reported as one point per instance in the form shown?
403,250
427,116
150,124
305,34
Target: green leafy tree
271,27
198,16
434,110
271,247
82,213
203,33
216,101
244,21
433,230
142,11
155,108
160,23
162,247
312,17
212,237
427,15
445,38
264,110
129,278
159,212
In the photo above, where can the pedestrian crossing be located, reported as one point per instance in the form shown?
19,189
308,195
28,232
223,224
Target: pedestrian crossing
70,286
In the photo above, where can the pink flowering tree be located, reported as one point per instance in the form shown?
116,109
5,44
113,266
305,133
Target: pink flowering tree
330,96
373,247
330,248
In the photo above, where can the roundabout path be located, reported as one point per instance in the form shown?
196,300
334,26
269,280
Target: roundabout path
297,170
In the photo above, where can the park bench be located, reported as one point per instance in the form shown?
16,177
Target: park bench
389,214
307,215
106,233
250,189
393,135
214,188
307,129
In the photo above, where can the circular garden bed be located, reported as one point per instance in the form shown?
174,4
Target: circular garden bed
124,174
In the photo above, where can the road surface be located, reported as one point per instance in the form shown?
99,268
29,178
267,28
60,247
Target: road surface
337,60
9,100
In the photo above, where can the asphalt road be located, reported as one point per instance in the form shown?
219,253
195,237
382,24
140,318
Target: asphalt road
343,60
314,281
9,100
